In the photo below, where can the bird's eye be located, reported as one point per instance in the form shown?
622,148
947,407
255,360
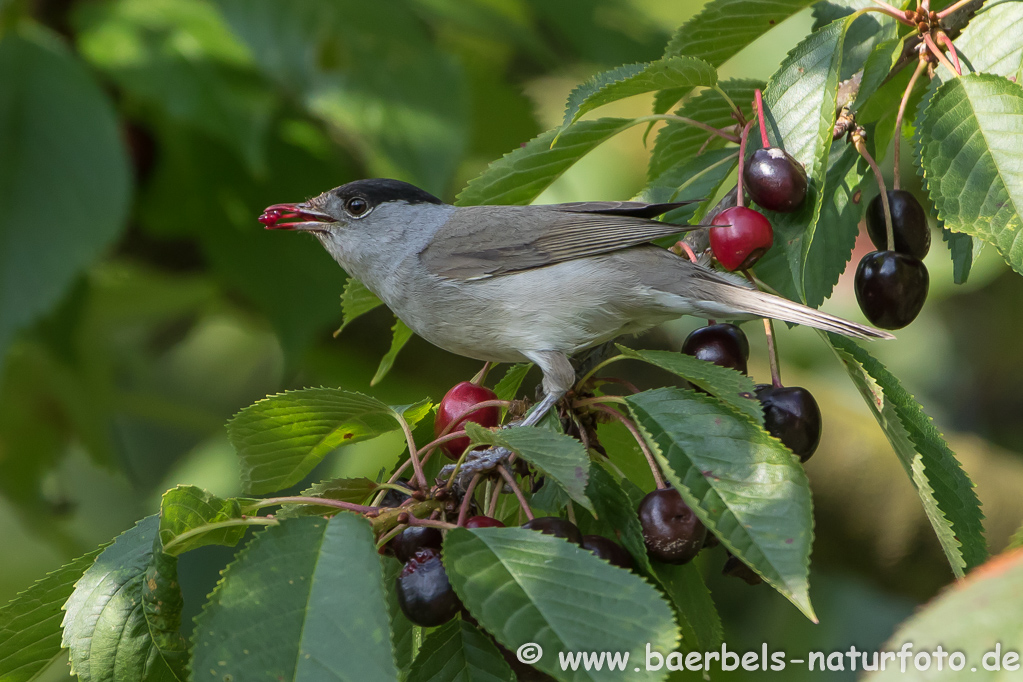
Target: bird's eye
356,206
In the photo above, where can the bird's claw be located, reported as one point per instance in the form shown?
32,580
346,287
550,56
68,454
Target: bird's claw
476,462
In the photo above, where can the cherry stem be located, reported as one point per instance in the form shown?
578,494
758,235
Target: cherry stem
692,122
896,177
315,501
731,103
631,387
901,17
413,521
947,42
599,400
412,453
463,509
510,480
654,469
772,348
742,162
893,12
481,375
494,496
936,51
391,534
952,8
600,366
862,149
759,98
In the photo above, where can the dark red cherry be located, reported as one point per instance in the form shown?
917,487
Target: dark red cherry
737,569
414,538
559,528
460,398
424,593
792,416
891,288
671,531
909,224
608,550
746,237
722,344
483,522
775,180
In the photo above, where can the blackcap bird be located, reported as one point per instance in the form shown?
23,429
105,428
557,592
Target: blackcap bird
536,283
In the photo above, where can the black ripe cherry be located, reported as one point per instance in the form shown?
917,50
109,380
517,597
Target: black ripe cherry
671,531
792,416
424,593
909,224
737,569
891,288
722,344
414,538
775,180
608,550
559,528
483,522
746,235
456,402
393,497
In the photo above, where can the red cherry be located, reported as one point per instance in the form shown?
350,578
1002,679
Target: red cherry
747,237
483,522
458,400
270,218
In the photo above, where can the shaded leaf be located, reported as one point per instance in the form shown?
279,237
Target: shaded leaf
30,624
458,652
402,630
400,335
508,387
304,600
636,79
124,614
613,506
945,490
964,250
972,617
356,300
563,598
191,517
57,130
281,438
733,388
557,455
743,484
694,607
354,490
521,175
972,161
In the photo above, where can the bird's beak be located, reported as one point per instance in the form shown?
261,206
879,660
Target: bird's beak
309,219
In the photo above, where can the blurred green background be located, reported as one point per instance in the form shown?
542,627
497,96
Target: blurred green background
141,304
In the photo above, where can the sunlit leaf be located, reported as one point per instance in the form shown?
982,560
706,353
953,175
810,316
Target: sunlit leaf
400,336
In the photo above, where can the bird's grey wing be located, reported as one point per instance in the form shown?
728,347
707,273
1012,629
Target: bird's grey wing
635,209
484,241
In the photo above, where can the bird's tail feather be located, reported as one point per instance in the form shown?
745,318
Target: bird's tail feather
751,301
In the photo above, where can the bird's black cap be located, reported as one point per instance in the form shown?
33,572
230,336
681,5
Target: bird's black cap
377,191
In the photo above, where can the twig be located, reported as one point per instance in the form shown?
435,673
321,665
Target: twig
413,455
920,68
317,501
510,480
936,51
654,469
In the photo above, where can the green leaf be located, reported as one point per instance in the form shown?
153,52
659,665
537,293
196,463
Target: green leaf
191,517
699,178
123,618
964,250
524,586
944,488
402,630
694,607
866,32
458,652
559,456
734,389
400,336
281,438
613,506
521,175
976,618
743,484
636,79
877,67
304,600
800,107
721,30
356,300
354,490
678,143
993,40
508,387
1016,541
30,623
64,181
972,162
